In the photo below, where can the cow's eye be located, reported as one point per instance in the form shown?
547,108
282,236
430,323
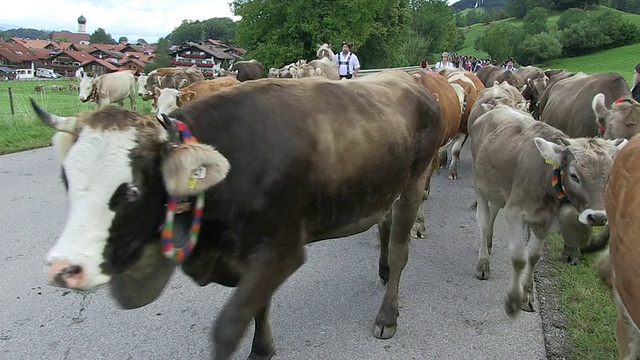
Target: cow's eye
132,192
575,178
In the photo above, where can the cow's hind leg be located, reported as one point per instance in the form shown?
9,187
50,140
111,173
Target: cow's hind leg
485,216
384,233
419,230
627,333
517,233
534,250
458,142
403,215
268,268
263,347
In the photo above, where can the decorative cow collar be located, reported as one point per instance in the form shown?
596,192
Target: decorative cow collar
557,180
167,240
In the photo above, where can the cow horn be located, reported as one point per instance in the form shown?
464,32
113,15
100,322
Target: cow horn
173,135
63,124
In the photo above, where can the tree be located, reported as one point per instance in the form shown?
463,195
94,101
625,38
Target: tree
161,56
500,40
141,41
520,8
223,29
570,17
100,36
474,17
461,20
433,19
566,4
535,21
123,39
278,32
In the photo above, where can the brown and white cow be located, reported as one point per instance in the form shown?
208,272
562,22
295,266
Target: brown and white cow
618,266
323,67
171,99
169,77
450,102
621,121
272,161
109,88
515,161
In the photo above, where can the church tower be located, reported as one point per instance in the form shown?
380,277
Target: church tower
82,24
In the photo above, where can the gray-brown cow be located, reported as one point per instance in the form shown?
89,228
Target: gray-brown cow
621,121
515,159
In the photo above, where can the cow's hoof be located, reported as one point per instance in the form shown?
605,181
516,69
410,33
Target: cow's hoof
512,305
418,231
569,258
384,331
527,303
483,270
383,273
254,356
453,176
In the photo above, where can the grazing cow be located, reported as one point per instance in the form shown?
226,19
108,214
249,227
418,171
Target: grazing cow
450,102
109,88
544,181
271,165
247,70
622,121
324,51
38,88
618,266
171,99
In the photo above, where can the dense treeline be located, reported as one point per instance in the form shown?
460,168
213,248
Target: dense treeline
25,33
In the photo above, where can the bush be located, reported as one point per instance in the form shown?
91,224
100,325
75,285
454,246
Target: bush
538,48
570,17
596,32
500,40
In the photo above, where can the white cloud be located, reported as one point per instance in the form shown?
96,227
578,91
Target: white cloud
133,19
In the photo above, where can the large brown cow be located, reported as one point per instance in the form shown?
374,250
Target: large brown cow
450,109
271,165
618,266
515,161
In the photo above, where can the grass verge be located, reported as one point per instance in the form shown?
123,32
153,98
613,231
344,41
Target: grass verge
588,307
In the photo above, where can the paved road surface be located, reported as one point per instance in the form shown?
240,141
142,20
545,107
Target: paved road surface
325,310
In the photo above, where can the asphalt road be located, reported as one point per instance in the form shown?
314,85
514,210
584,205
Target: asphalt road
325,310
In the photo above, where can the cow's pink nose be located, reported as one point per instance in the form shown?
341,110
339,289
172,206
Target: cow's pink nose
64,274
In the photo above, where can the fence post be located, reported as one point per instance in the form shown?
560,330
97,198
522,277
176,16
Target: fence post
13,111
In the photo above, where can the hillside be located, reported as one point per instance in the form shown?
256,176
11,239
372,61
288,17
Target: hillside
475,31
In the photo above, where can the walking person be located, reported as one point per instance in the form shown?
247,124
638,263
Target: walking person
348,63
444,62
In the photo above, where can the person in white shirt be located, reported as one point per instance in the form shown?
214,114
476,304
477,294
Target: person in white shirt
347,62
444,63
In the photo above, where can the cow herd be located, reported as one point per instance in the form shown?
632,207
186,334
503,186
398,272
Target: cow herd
234,176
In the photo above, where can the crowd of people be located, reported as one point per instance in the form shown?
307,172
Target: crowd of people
473,64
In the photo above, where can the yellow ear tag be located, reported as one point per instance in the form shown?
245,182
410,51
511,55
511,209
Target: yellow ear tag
548,160
192,183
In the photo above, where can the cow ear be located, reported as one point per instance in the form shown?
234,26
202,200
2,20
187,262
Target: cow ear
551,152
182,83
187,96
600,109
189,169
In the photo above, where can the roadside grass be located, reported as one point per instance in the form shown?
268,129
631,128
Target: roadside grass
587,305
24,130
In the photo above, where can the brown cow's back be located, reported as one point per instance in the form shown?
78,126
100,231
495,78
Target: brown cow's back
622,202
447,99
206,87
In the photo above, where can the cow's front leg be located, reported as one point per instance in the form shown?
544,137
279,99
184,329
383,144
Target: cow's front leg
403,216
269,267
263,347
517,233
570,255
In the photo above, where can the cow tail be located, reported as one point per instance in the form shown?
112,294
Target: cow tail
603,267
597,242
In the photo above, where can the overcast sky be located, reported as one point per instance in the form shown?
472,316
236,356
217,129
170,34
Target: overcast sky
134,19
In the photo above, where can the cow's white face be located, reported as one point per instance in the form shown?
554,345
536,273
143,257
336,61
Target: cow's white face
168,100
142,84
85,88
96,167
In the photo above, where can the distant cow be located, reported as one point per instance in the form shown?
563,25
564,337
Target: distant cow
247,70
270,165
109,88
322,67
174,77
324,51
545,181
618,266
171,99
490,74
535,82
38,88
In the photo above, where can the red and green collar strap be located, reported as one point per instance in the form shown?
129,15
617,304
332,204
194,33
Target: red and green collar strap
620,100
557,180
167,241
